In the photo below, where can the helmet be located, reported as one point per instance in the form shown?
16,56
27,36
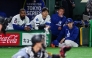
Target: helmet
37,39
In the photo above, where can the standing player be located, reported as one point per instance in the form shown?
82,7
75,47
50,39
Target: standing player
70,33
57,22
20,22
42,21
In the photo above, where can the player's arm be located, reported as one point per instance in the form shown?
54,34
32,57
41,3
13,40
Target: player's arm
15,24
36,19
61,35
48,21
55,21
74,35
36,22
28,25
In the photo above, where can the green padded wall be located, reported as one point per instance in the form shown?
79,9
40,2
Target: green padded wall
85,36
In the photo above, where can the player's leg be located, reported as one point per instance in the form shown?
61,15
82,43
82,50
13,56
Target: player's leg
71,43
66,46
21,54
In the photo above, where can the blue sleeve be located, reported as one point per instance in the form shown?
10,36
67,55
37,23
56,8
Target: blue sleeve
17,27
47,23
54,20
30,26
61,35
74,35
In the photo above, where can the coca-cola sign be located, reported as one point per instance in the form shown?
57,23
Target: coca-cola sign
10,39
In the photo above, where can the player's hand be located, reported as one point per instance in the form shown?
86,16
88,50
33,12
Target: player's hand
62,40
59,28
27,28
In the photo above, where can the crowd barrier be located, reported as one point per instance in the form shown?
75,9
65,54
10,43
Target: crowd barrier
21,38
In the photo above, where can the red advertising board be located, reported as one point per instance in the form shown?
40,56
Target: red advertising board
10,39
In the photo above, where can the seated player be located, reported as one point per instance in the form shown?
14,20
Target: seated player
20,22
70,33
42,21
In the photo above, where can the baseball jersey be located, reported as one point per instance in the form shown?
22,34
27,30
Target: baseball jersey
17,23
32,54
39,20
69,34
57,21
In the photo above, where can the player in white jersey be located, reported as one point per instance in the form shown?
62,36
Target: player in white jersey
20,22
42,21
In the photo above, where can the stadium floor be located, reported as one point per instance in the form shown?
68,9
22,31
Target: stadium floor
80,52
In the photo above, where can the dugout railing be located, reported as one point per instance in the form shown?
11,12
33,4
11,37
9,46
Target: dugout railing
21,38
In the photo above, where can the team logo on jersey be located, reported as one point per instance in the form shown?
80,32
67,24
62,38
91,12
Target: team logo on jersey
68,33
15,21
59,23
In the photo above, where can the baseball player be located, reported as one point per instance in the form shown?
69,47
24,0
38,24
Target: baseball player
70,33
42,21
31,51
20,22
57,22
37,50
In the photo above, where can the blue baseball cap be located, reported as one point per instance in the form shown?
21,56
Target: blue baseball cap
69,20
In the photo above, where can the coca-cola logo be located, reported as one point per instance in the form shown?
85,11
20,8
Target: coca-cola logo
9,39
